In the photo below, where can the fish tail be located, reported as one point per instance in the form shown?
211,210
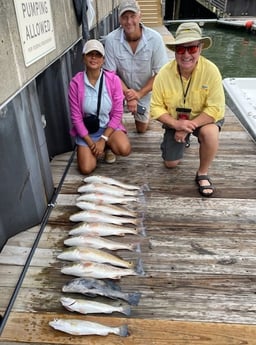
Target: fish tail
144,188
136,247
134,298
141,200
139,267
141,230
126,310
134,221
123,331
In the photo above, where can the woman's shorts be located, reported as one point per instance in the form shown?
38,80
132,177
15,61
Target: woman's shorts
95,137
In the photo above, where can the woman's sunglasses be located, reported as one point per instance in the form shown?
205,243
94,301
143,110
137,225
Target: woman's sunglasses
191,49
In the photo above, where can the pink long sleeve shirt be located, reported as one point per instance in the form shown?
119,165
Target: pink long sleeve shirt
76,95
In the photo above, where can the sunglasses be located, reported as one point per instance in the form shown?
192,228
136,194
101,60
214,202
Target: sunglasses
191,49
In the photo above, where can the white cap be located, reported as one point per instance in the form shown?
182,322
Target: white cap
128,5
92,45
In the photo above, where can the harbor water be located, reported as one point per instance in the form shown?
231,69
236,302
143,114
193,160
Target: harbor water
233,50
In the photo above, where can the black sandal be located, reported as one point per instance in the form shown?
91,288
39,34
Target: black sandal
202,189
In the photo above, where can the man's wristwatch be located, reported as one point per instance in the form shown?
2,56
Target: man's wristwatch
104,137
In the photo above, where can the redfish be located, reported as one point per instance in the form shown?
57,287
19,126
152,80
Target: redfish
102,229
105,189
98,242
96,270
109,209
95,255
109,180
100,198
95,216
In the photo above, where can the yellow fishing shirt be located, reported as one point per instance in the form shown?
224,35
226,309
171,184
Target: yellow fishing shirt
205,92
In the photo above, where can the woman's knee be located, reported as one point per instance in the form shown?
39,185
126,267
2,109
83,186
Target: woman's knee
126,150
85,169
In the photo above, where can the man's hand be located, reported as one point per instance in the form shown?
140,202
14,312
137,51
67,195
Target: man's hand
131,94
180,136
132,106
185,125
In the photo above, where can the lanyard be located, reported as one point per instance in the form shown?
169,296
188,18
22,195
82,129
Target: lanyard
185,92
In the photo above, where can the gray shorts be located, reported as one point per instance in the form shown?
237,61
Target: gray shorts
139,117
171,149
142,118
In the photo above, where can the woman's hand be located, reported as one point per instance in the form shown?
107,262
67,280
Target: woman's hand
97,148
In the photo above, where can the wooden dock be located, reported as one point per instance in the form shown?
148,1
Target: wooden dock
198,254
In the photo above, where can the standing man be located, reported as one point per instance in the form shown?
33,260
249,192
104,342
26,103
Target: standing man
188,97
136,53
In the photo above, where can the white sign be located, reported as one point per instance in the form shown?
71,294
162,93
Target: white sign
36,29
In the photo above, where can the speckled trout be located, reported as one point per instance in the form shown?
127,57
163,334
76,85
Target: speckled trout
84,306
81,327
96,287
95,255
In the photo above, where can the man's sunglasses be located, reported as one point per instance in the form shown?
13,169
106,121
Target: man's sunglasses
191,49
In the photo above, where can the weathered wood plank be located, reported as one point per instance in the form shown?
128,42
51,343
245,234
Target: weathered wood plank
160,332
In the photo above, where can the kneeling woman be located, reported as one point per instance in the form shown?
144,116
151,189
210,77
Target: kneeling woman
96,109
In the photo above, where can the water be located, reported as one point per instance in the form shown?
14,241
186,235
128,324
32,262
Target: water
233,50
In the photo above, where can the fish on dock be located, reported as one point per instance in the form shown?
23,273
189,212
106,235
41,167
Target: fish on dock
92,287
94,255
109,180
101,198
96,270
100,217
106,189
82,327
105,208
98,242
84,306
102,229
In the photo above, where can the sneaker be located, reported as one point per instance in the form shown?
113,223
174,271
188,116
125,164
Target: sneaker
110,157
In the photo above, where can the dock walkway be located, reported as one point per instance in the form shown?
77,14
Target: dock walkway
198,254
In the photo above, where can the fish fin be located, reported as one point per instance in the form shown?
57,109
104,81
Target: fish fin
134,298
136,247
139,267
141,230
144,188
112,284
123,331
126,310
141,200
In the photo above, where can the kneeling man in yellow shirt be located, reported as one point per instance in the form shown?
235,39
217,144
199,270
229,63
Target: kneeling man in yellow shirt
188,97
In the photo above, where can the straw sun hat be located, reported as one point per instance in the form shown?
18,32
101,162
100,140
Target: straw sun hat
189,32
